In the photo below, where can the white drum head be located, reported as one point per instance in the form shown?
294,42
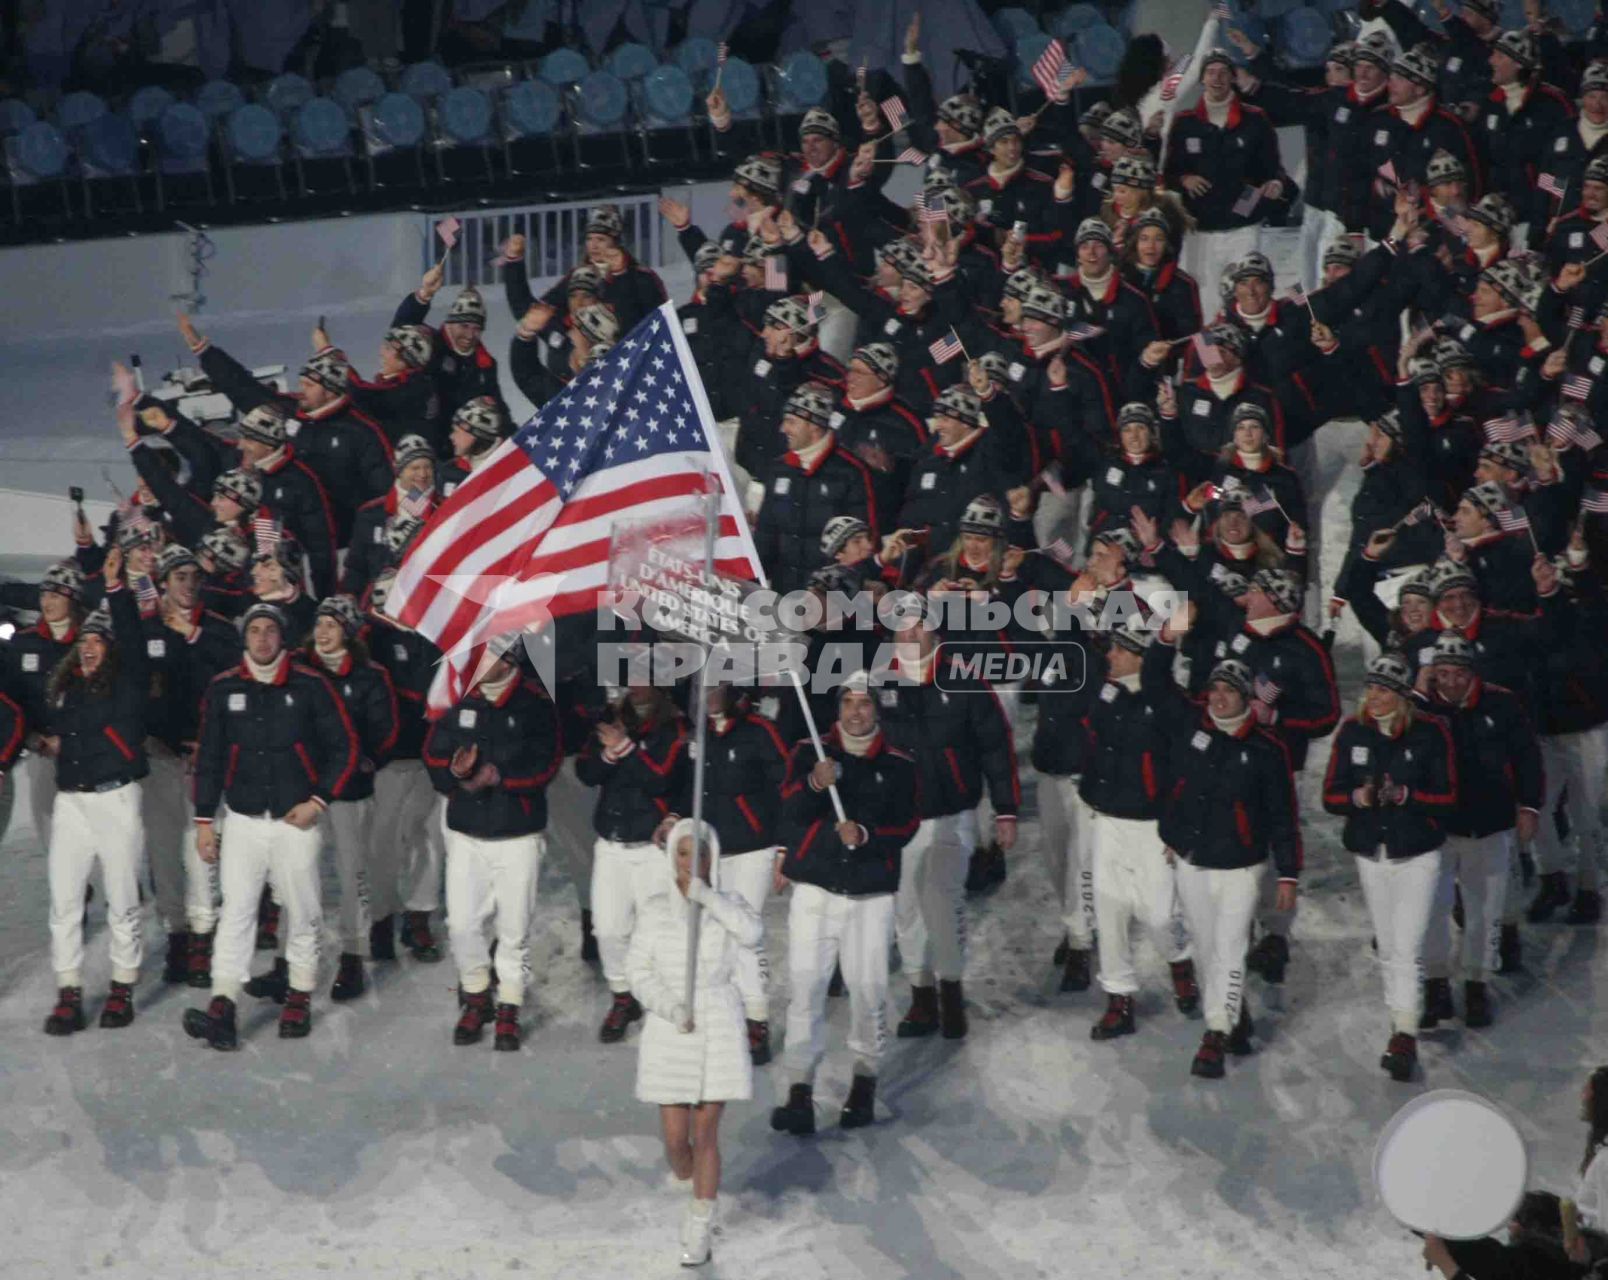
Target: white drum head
1451,1164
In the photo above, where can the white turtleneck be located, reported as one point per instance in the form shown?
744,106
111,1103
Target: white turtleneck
1389,725
1129,682
810,453
1217,112
60,628
1267,626
331,661
266,673
271,461
1231,724
1414,111
1592,134
1095,286
493,690
1002,176
1513,95
1224,384
856,746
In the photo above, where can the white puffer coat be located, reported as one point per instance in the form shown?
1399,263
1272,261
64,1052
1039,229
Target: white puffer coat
710,1063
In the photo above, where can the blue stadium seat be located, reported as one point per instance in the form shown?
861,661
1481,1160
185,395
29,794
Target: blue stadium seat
800,83
15,116
1029,49
181,144
425,81
395,124
1271,10
42,151
145,104
1013,24
78,109
741,85
631,62
286,93
563,67
696,56
321,127
1099,51
356,87
667,95
664,108
531,108
254,133
1575,15
399,120
110,145
1304,35
217,98
465,116
1075,18
601,100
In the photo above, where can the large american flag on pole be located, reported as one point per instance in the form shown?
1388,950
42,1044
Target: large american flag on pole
526,537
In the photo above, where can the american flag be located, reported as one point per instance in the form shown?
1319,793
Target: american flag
1174,78
894,109
1566,430
1594,501
416,503
1082,331
817,307
860,75
721,51
1266,690
912,155
1221,12
145,594
1599,236
1247,201
124,389
448,229
1050,69
266,533
1577,318
946,348
1206,351
527,535
1546,182
1299,297
1425,510
1513,520
1261,502
1508,428
932,211
775,273
1577,387
1061,552
1387,171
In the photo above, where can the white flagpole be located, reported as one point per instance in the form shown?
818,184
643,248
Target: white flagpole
711,504
717,452
1208,35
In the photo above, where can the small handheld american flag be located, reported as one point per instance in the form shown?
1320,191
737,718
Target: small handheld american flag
1387,171
721,51
1594,501
932,211
1546,182
817,307
775,273
1082,331
448,229
1266,690
1221,11
266,533
1261,502
894,111
946,348
1576,387
911,155
1507,429
1061,552
1247,201
1050,69
415,503
145,594
1513,520
1577,318
1565,431
1599,236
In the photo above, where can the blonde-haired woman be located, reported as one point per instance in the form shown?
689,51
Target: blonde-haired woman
1393,776
693,1060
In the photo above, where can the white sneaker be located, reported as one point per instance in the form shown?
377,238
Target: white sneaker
696,1227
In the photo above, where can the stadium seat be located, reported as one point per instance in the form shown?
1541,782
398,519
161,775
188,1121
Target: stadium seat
1014,24
180,142
1304,37
287,93
146,104
562,68
15,116
1098,50
1272,10
321,143
357,87
252,138
424,81
599,107
37,155
393,140
109,163
696,56
631,62
1029,49
1075,18
217,98
1576,16
664,112
463,119
529,113
800,83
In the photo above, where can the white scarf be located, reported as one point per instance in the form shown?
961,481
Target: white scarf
1592,134
1414,111
1224,385
1267,626
1513,96
1231,724
269,673
811,453
331,661
1217,112
1095,286
493,690
1128,682
856,746
59,630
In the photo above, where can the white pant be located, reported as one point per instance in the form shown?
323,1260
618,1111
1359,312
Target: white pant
251,852
569,829
407,848
1132,881
102,825
929,912
1218,905
825,930
748,875
1578,761
486,879
186,887
1401,895
1065,823
41,783
349,825
1206,254
1481,866
620,872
